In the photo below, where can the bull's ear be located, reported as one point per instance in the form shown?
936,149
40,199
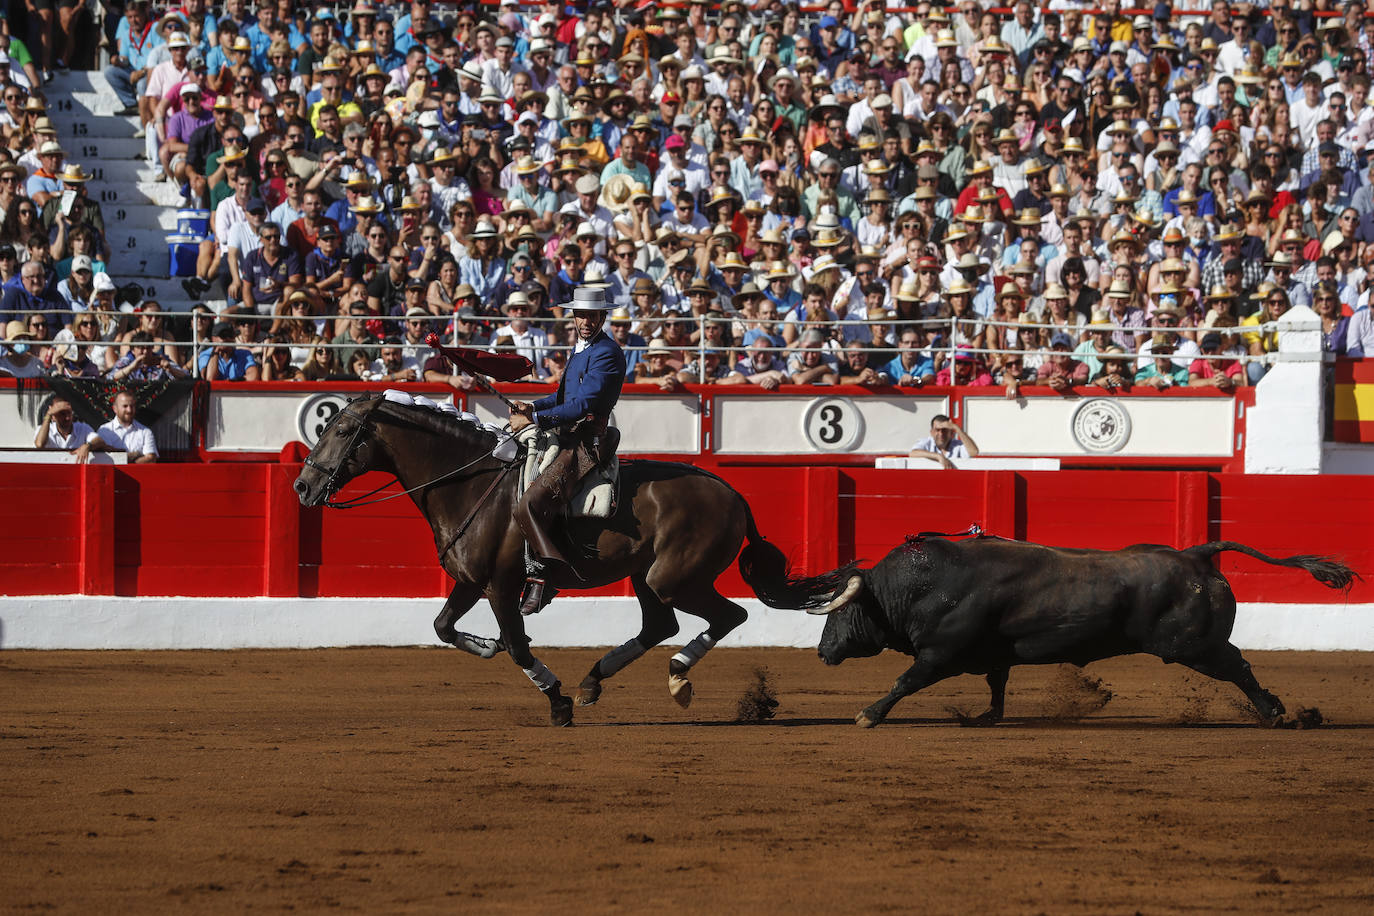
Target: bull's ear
851,588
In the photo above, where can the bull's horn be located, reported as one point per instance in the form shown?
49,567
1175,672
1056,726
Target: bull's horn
850,590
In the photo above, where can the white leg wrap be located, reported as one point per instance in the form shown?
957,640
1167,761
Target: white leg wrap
541,675
694,650
620,656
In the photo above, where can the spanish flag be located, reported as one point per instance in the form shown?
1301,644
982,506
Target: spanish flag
1354,420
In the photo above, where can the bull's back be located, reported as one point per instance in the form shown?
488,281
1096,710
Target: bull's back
1024,602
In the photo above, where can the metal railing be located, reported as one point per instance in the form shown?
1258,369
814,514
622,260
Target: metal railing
832,348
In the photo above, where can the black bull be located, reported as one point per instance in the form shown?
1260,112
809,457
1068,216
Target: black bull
983,605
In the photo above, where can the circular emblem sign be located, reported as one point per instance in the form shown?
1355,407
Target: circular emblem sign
1101,425
315,413
833,425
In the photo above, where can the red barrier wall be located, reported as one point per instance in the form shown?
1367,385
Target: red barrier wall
238,530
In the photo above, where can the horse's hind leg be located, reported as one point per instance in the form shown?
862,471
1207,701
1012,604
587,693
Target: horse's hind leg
659,623
722,616
460,601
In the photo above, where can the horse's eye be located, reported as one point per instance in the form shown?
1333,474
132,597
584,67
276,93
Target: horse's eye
341,429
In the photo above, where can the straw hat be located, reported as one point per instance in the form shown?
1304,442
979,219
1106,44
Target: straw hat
907,291
778,270
1119,290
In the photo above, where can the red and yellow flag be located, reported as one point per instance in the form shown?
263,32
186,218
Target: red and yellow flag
1354,420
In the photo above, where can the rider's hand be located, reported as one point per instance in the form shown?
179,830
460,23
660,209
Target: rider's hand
524,408
519,421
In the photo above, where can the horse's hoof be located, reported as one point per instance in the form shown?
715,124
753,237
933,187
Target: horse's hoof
588,692
864,720
561,712
681,690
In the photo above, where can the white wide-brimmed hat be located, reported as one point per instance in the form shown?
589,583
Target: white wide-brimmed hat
588,298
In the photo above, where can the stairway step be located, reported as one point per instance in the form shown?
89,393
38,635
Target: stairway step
163,194
94,104
77,126
93,151
64,84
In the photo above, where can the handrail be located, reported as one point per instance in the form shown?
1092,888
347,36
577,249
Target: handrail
701,348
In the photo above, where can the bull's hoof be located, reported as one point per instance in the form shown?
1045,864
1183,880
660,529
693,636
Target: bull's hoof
588,692
681,690
865,719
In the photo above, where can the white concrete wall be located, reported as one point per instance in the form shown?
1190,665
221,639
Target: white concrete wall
77,622
1284,428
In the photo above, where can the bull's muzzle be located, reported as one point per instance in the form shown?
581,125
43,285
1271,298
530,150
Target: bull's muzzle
851,589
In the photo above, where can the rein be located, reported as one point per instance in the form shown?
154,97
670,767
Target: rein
358,502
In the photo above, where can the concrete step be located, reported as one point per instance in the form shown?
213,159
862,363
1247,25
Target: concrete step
93,151
64,84
160,193
94,104
77,126
121,173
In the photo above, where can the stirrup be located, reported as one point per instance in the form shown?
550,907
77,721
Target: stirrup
532,601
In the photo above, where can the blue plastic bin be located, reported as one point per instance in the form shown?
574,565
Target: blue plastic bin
193,222
182,252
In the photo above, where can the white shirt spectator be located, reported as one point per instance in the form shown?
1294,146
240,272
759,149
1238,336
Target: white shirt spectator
81,434
379,369
530,343
227,214
136,439
956,447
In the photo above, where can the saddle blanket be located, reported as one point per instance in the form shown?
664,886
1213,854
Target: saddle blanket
594,499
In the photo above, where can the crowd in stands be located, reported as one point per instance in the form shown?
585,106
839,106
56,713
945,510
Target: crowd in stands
871,197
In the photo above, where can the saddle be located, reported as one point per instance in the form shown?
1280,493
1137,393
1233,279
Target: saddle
597,493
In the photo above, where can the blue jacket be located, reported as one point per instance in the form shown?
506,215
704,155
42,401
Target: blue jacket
591,385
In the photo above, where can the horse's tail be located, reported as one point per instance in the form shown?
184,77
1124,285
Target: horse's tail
766,570
1325,570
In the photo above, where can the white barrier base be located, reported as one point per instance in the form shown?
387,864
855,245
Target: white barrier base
78,622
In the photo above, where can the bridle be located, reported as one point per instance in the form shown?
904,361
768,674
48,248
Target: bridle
332,484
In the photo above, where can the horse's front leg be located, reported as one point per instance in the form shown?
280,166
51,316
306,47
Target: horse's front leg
460,601
505,602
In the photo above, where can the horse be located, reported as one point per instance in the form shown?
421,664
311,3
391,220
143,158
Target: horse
656,538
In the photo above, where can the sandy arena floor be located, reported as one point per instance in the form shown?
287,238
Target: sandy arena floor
426,780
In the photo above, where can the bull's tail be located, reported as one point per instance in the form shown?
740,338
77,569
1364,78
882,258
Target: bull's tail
766,570
1325,570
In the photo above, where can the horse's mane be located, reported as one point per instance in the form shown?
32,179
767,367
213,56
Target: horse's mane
439,422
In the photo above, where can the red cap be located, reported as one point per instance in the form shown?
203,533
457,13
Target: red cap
671,97
1224,124
674,141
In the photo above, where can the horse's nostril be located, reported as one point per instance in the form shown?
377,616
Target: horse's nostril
300,487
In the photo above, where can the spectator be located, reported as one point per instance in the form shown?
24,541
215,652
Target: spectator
912,366
806,365
144,363
225,361
1061,371
31,295
1209,371
965,369
270,273
518,333
1160,372
61,430
126,434
945,442
354,336
392,365
1115,374
19,359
